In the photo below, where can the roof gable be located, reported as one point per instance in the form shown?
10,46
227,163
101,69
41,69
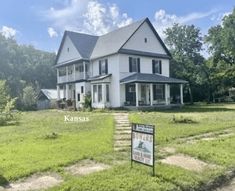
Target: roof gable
153,43
67,51
111,42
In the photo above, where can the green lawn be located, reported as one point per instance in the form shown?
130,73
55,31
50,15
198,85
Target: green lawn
44,141
205,119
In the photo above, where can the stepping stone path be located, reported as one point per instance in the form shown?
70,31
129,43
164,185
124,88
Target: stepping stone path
122,137
34,182
187,162
86,167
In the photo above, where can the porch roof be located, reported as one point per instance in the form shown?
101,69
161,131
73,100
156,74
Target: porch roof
99,77
151,78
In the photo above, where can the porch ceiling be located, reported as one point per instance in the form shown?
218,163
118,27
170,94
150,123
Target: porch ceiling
151,78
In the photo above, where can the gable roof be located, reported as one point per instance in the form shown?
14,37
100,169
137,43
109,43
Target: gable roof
49,93
151,78
92,47
111,42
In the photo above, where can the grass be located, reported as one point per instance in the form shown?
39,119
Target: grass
203,122
220,151
44,141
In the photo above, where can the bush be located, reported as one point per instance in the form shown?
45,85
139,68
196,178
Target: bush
87,102
182,119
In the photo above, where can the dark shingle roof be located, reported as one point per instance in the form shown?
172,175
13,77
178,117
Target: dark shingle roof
91,47
151,78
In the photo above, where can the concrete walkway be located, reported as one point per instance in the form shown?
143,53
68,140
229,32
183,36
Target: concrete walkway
122,137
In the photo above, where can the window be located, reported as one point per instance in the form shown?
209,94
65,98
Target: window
158,92
95,96
80,68
145,40
131,88
107,92
103,67
78,97
134,64
62,71
68,49
157,66
82,89
99,93
70,70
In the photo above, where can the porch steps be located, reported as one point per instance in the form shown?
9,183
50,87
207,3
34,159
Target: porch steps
122,137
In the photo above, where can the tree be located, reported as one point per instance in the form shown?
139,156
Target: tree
185,43
29,98
23,65
221,41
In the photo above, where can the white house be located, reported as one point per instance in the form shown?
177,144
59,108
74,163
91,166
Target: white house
126,67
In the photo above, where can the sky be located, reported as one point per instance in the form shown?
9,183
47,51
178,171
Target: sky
41,23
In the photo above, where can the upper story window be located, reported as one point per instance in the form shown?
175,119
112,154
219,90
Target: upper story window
157,66
68,49
80,68
134,64
70,70
145,40
62,71
103,66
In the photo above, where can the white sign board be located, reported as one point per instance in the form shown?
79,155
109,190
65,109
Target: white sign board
142,147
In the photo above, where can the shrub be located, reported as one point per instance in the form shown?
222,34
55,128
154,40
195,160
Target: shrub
182,119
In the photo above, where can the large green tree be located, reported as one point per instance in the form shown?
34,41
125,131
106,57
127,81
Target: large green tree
22,65
185,44
221,41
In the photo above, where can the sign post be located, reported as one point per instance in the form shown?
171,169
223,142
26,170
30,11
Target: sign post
142,145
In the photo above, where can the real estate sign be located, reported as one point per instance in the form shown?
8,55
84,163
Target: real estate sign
142,144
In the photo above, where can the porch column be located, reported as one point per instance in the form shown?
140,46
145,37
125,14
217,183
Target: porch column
166,94
137,94
74,72
181,94
67,91
84,70
58,92
92,94
151,94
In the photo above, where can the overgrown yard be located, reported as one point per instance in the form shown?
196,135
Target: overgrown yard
43,142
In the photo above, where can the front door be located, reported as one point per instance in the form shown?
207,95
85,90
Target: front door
130,94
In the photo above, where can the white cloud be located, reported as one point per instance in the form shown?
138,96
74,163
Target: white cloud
8,32
87,16
162,20
52,33
218,18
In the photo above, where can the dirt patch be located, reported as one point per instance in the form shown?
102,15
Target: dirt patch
186,162
169,150
229,187
35,182
86,167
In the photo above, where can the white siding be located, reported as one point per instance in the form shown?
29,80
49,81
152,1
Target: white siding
86,90
145,65
137,41
113,68
66,55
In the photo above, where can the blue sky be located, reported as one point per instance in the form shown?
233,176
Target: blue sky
42,23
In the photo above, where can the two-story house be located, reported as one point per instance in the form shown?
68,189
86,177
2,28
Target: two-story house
126,67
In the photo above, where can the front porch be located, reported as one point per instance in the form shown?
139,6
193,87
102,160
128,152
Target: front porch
150,90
